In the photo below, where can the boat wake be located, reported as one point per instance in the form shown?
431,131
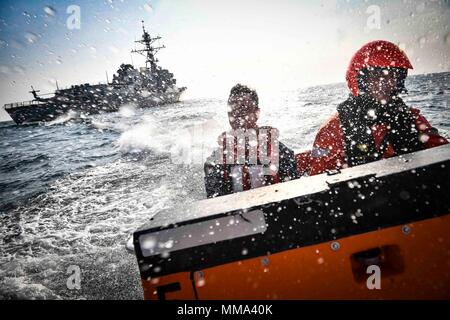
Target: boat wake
71,114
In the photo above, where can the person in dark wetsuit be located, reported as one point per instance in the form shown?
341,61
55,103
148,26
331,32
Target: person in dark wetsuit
248,156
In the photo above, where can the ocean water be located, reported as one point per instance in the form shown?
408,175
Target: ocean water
72,191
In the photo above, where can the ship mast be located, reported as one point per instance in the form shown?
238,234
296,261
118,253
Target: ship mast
148,51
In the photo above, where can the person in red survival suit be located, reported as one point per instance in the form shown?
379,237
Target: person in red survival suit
374,122
248,156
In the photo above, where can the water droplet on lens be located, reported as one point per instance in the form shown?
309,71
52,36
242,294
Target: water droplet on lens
447,39
148,8
422,41
31,37
50,11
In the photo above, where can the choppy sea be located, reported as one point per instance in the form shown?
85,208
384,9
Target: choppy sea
72,191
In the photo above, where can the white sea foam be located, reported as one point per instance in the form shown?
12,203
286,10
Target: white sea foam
71,114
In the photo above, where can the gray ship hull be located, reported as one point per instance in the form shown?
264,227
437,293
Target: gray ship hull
50,111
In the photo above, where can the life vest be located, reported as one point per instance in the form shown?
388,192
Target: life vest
248,159
343,141
359,116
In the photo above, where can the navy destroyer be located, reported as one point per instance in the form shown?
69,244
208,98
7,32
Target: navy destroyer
147,86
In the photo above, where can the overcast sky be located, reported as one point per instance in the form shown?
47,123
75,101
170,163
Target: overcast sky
271,45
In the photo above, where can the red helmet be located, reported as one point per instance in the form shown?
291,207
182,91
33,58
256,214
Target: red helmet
378,53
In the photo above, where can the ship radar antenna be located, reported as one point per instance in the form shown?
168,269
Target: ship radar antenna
149,51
